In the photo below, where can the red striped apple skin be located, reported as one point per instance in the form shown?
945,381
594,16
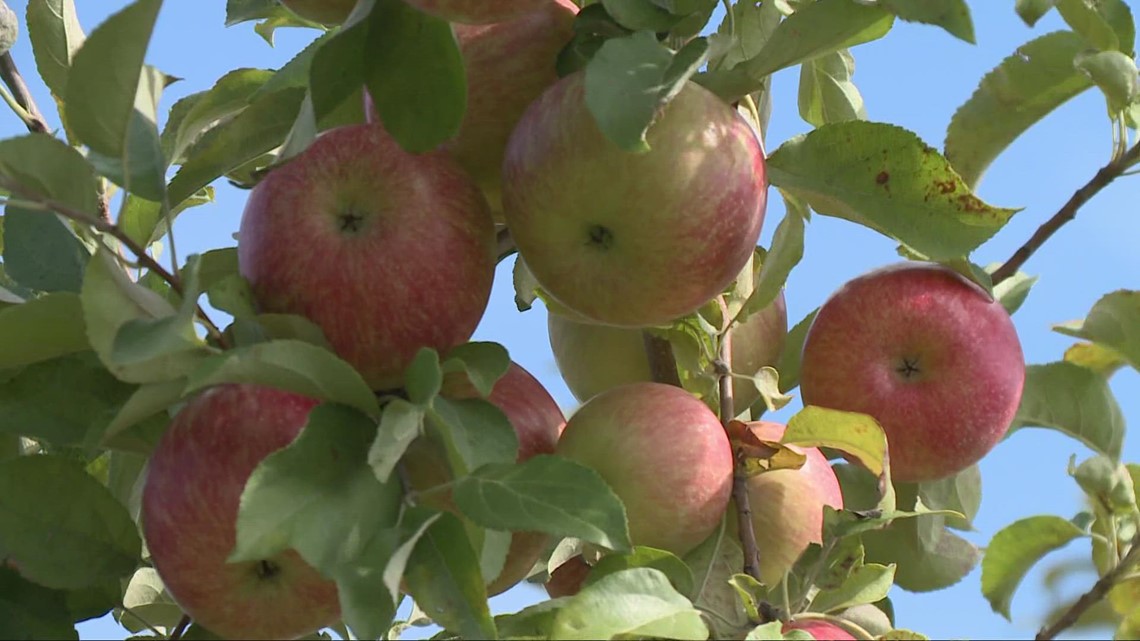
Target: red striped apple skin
385,251
477,11
928,354
634,239
190,500
819,630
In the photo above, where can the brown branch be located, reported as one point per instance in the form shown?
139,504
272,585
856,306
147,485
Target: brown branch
15,82
662,363
1099,590
1106,175
180,628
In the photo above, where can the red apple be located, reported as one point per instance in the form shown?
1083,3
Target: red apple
787,506
820,630
190,499
593,358
928,354
567,579
385,251
330,12
537,420
634,239
664,453
477,11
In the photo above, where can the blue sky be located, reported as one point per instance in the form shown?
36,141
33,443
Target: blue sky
916,78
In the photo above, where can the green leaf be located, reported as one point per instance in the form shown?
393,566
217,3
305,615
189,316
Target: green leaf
423,378
867,584
951,15
94,601
1105,24
41,252
146,597
772,631
1116,75
785,253
961,492
140,340
858,435
1114,322
639,602
143,221
30,611
1107,483
547,494
886,178
1075,401
473,433
826,92
140,167
525,284
1012,292
290,365
1017,548
640,15
627,83
680,576
1033,10
48,327
400,424
61,526
1096,357
748,30
229,95
45,167
55,32
922,564
789,365
483,363
1023,89
444,578
146,401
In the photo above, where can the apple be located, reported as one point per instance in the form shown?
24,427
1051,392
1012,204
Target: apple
787,506
329,12
927,353
664,453
537,420
634,239
477,11
820,630
567,579
194,482
593,358
384,250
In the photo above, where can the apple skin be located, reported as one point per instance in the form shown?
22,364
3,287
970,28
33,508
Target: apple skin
664,453
567,579
385,251
787,506
477,11
190,499
593,358
928,354
328,12
820,630
537,420
634,239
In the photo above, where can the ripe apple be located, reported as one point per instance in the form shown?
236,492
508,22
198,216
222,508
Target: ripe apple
329,12
664,453
634,239
477,11
537,420
384,250
820,630
593,358
928,354
787,506
190,499
567,579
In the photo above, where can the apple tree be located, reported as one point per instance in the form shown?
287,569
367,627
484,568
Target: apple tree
295,436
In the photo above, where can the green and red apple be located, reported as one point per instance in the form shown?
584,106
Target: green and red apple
927,353
665,455
193,487
634,239
819,630
329,12
386,251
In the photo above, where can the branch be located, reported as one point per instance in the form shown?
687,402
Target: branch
180,628
662,363
1099,590
1106,175
32,117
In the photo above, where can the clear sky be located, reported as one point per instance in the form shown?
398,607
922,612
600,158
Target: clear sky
916,77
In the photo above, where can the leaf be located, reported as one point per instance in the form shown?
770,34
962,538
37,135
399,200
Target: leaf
1012,292
444,578
41,252
680,576
548,494
921,566
147,599
229,95
1023,89
1116,75
886,178
146,401
1094,356
867,584
317,495
423,377
1074,401
526,286
826,92
48,327
30,611
951,15
56,35
1033,10
473,433
772,631
400,424
1107,483
1015,549
637,602
638,15
789,365
786,251
627,83
1114,322
857,435
140,167
61,526
1105,24
483,364
714,562
143,221
289,365
140,340
961,492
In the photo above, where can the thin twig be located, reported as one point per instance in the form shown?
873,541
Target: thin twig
662,363
1099,590
1106,175
180,628
10,74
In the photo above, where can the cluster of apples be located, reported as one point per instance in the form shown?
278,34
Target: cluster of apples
389,252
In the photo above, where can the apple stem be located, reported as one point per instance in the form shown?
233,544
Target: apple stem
1099,590
662,363
180,628
1068,211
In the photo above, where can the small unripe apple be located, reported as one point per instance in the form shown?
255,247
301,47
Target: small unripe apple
329,12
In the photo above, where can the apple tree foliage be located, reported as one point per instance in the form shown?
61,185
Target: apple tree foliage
89,305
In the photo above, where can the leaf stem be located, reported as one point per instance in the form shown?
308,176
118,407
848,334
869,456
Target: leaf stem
1099,590
1068,211
31,115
